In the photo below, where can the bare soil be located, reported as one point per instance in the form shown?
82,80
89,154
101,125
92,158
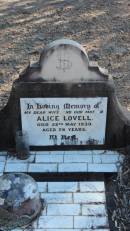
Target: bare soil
101,26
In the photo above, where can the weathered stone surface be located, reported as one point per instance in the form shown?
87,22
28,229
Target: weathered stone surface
59,215
92,186
63,209
73,167
86,209
61,230
110,158
89,198
2,167
15,167
84,222
102,168
94,210
3,158
62,187
56,222
42,168
49,158
71,76
53,125
78,158
42,186
31,166
57,197
19,201
11,159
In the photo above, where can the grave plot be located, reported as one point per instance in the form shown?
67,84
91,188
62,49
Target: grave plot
76,205
72,206
71,129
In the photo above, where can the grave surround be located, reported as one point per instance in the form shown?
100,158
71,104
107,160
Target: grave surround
68,214
78,206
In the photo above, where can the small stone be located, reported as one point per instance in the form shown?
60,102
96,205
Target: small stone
94,55
19,200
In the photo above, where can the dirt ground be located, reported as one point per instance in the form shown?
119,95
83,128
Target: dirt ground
101,26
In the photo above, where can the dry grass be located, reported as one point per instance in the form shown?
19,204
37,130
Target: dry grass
103,27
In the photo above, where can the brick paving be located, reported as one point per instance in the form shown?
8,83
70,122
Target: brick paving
63,161
70,206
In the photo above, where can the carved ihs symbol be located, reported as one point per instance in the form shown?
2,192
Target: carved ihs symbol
64,63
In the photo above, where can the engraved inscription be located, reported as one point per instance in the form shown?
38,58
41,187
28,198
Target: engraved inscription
64,121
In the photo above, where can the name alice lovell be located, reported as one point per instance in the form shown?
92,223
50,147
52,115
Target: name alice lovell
57,118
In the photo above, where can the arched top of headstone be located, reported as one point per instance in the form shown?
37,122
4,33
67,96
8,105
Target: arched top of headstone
65,42
65,60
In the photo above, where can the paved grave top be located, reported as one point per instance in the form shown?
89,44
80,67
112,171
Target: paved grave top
72,206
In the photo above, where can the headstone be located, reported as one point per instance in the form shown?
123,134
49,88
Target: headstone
65,102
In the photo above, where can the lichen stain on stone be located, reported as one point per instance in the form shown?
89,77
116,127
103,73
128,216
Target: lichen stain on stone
2,201
5,184
30,191
19,201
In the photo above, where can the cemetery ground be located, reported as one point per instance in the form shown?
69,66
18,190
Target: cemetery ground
102,27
